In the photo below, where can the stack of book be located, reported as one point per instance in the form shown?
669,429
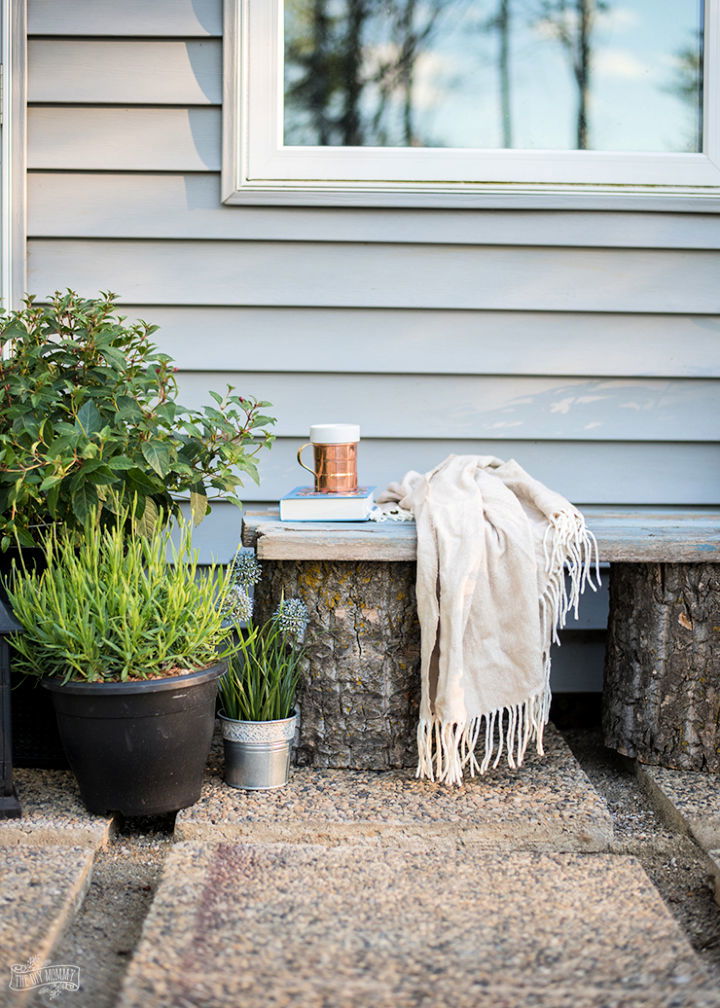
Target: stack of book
304,504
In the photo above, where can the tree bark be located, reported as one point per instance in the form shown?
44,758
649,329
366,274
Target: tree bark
361,678
661,701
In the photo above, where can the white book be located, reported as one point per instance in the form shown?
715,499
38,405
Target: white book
303,504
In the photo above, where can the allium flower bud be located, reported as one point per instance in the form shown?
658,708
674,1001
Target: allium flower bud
292,617
246,570
238,604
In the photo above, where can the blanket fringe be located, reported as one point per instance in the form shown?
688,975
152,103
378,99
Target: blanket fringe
447,749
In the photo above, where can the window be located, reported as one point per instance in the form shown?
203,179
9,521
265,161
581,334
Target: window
438,102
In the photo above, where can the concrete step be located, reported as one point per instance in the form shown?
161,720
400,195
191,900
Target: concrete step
53,813
687,799
41,888
350,926
548,804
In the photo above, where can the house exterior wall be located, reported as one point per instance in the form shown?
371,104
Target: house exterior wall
586,344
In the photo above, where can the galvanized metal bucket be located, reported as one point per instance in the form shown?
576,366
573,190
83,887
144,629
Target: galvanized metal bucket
257,753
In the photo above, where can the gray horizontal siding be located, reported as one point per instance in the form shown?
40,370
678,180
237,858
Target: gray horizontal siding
360,274
431,341
480,406
143,72
115,205
609,472
165,18
124,139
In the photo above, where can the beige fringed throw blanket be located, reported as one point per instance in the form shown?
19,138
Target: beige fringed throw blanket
492,546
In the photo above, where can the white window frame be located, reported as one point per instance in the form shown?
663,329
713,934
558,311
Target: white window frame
258,168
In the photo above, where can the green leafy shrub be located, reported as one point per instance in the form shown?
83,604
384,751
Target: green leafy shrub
89,414
109,607
263,675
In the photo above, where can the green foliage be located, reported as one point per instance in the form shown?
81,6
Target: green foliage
109,607
89,414
262,677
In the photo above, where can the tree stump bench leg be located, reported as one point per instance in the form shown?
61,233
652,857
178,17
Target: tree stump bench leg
661,700
361,679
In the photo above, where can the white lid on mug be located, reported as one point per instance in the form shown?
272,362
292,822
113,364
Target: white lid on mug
334,433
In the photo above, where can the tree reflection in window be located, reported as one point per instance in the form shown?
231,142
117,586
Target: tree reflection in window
557,74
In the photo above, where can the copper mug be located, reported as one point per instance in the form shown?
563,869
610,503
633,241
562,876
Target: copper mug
335,457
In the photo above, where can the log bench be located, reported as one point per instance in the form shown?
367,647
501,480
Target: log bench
661,698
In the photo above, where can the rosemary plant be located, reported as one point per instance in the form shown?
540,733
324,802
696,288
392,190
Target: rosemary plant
263,675
111,608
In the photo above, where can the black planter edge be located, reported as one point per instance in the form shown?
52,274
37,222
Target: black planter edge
139,685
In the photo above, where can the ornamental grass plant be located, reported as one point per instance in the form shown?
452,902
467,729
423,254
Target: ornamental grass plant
262,678
111,608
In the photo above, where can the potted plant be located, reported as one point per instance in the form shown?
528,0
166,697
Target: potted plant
88,407
130,647
89,412
257,693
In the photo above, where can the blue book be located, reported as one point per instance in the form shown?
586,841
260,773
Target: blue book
304,504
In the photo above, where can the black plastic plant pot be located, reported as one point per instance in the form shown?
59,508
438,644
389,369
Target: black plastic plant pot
138,748
35,738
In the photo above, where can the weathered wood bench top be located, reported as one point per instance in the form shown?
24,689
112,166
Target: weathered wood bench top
624,534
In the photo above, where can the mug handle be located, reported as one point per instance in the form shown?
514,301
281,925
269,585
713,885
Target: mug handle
307,444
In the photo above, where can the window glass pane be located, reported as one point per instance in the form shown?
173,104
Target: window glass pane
613,75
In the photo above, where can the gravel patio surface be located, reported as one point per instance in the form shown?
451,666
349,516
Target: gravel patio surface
107,929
